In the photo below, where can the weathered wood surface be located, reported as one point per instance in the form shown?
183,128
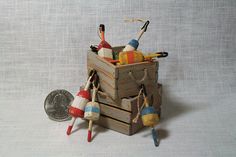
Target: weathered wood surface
116,113
113,124
101,65
116,118
133,89
115,80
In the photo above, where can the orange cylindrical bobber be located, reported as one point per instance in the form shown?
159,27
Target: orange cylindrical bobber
137,56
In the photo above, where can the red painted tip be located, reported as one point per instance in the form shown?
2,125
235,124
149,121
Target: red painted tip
69,129
89,136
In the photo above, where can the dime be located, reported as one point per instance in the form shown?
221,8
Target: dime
57,103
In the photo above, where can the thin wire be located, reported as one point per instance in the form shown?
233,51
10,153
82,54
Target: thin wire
98,34
134,20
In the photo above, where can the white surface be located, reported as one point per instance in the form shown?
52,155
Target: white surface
43,47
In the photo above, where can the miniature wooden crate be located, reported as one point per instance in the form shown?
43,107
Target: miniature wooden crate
119,117
116,81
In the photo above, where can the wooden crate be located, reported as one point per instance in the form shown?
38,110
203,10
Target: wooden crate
119,117
116,81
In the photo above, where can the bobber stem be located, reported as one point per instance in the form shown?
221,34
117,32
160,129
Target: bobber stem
102,36
68,132
155,137
143,29
90,130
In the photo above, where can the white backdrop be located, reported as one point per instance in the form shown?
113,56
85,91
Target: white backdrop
43,47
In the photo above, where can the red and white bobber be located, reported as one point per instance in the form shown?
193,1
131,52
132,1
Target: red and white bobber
76,110
104,48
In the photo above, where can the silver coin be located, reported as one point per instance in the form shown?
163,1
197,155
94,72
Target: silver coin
57,103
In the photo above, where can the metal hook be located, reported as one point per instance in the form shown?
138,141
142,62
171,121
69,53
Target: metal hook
145,26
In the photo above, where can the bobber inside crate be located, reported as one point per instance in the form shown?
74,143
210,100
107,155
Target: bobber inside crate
119,116
120,81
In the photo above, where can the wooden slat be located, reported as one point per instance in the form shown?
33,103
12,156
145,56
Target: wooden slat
124,78
123,104
108,90
138,66
133,89
113,124
150,66
130,85
158,98
126,128
135,127
101,64
115,113
103,77
106,84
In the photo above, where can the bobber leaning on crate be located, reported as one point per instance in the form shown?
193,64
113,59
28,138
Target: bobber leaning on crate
76,110
149,116
92,109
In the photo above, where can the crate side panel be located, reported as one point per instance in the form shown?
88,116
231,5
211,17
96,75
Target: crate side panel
100,64
114,125
104,78
122,104
125,77
137,66
133,89
115,113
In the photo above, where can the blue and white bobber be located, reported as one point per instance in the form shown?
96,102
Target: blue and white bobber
133,44
92,113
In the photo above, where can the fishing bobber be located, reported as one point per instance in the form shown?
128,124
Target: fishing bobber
134,43
149,116
76,110
92,112
104,48
137,56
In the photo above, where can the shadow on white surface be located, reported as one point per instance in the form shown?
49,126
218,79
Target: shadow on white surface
83,125
97,130
172,108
